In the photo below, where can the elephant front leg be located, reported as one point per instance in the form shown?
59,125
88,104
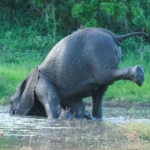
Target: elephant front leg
48,96
135,74
97,102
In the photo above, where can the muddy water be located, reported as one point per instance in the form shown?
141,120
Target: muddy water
31,133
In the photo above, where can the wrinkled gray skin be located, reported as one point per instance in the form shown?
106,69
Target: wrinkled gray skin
82,64
26,102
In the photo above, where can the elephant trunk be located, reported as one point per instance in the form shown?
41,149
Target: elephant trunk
123,37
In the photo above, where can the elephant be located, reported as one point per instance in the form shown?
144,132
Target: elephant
80,65
28,101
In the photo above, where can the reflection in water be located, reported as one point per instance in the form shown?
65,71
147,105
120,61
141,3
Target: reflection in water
33,133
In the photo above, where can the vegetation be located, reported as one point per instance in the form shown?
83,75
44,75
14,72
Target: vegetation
29,29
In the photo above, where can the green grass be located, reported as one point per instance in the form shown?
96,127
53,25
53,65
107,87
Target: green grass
21,51
140,129
11,75
24,49
129,91
124,90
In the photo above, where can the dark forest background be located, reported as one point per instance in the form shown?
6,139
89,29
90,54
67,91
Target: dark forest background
61,17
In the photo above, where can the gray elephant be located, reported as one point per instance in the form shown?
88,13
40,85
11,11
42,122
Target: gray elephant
82,64
28,103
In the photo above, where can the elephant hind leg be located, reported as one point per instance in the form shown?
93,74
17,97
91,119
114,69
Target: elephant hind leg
48,96
135,73
97,98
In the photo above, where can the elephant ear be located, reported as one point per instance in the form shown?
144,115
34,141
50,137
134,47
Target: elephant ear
26,92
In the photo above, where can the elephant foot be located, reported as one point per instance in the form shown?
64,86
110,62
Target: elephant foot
138,73
88,115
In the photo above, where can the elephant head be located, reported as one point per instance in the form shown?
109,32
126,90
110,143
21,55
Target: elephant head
23,100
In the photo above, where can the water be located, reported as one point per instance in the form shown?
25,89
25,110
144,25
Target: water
32,133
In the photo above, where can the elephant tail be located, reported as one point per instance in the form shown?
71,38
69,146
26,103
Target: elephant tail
123,37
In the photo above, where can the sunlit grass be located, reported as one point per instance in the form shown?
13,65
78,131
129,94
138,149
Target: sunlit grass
21,51
10,77
140,129
124,90
129,91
